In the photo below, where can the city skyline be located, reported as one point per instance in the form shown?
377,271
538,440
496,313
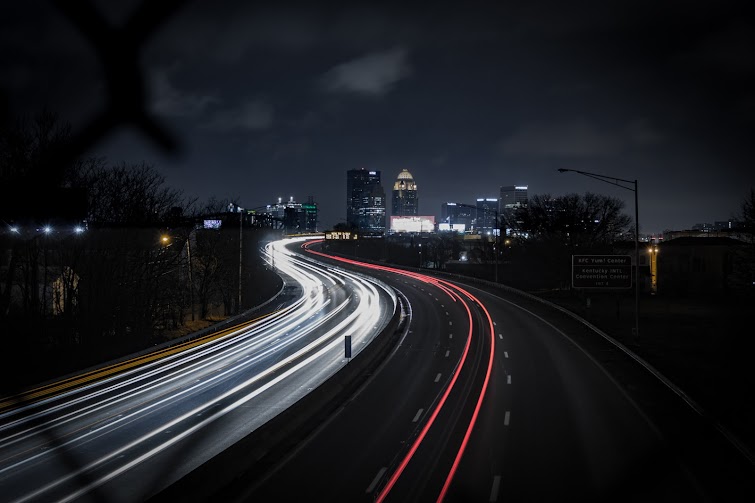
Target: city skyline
281,99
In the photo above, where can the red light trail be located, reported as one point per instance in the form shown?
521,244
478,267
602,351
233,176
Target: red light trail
450,289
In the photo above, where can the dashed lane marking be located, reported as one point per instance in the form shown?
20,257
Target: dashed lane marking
376,479
494,489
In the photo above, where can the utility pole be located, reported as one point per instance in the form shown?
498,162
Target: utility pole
191,279
241,226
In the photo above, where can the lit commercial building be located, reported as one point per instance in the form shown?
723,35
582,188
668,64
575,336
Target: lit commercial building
405,200
292,216
487,211
457,215
310,212
512,198
365,200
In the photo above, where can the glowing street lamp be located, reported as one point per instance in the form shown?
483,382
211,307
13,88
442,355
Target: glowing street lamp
653,251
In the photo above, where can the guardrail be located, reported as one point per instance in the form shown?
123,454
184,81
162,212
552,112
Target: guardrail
665,381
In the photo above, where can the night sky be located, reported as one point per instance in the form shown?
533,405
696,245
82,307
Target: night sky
282,100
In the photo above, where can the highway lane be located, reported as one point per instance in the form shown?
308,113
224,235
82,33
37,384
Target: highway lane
130,435
552,425
556,426
398,438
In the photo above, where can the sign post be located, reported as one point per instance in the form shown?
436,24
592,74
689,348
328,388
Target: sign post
347,346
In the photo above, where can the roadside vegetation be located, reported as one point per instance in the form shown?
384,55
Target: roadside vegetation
119,263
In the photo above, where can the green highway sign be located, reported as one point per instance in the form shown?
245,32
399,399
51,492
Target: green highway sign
601,271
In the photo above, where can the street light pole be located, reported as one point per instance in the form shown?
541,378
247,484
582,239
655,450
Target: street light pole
191,279
619,183
496,244
241,226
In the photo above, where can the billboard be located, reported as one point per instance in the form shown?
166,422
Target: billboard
413,224
340,235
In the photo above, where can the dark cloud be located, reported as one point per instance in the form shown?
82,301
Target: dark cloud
169,101
372,74
249,115
578,138
281,99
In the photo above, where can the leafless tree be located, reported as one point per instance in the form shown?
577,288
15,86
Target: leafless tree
559,226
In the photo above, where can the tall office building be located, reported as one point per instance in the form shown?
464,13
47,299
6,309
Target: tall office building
365,200
487,211
512,198
292,216
405,200
457,214
310,211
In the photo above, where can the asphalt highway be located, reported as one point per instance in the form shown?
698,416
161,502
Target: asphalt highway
482,400
128,435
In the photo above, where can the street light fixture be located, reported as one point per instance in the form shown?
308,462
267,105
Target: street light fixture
619,182
653,251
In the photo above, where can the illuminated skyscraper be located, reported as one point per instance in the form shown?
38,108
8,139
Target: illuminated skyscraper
365,200
487,211
457,214
512,198
405,200
293,216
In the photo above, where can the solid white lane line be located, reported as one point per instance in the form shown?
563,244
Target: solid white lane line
508,379
416,416
506,418
506,354
448,352
376,479
494,489
437,378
